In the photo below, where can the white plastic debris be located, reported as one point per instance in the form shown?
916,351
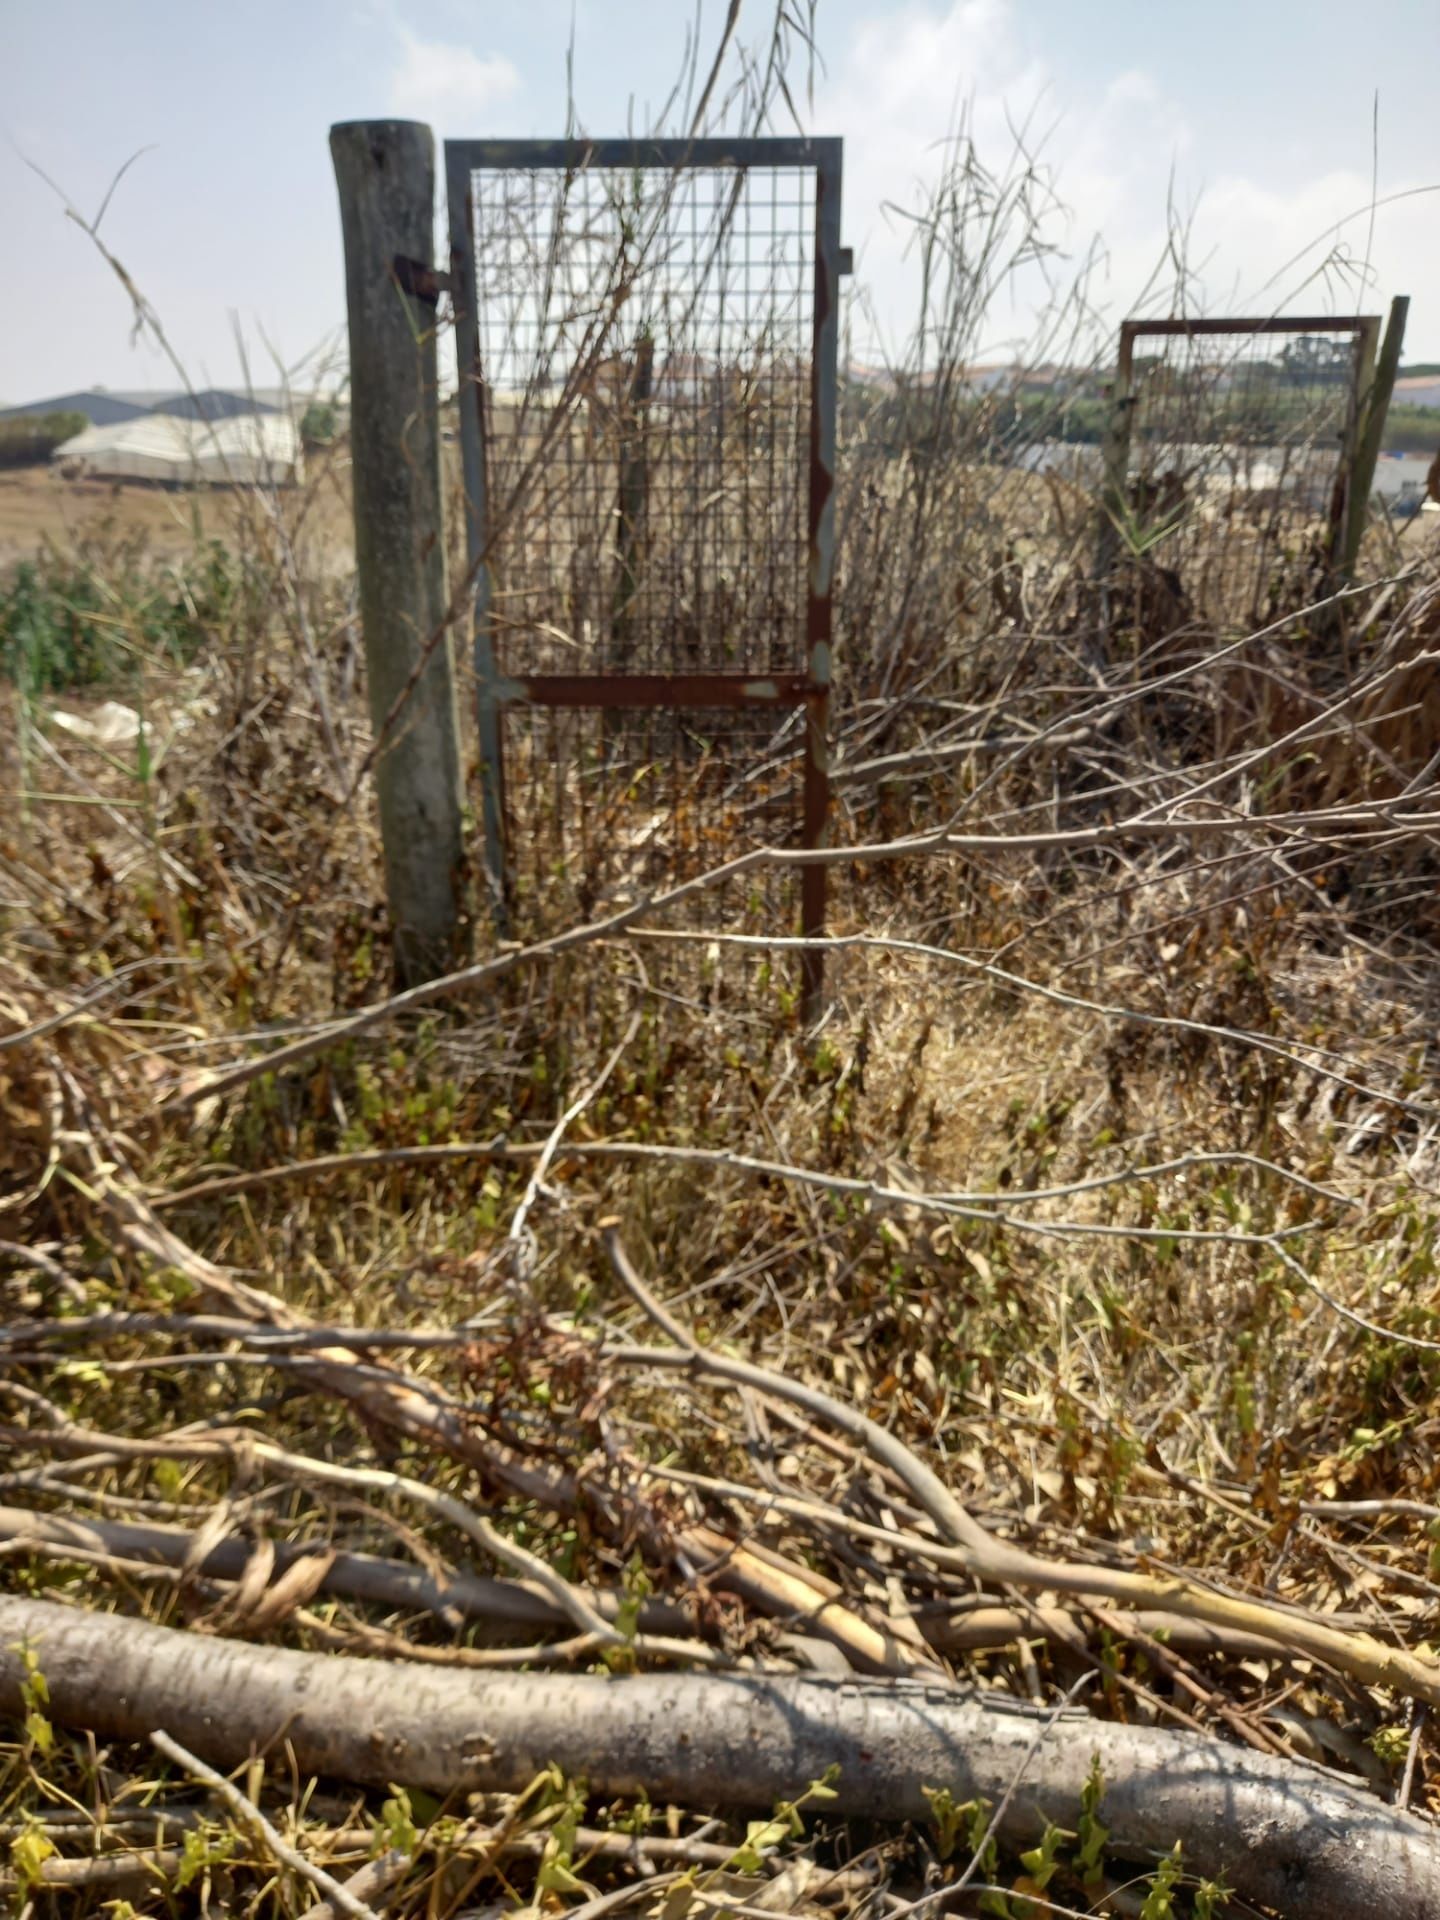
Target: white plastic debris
109,725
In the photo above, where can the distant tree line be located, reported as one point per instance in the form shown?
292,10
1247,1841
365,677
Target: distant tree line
35,436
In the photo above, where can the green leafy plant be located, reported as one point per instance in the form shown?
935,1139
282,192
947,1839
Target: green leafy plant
319,424
1042,1863
1160,1897
1090,1832
395,1830
1392,1744
204,1847
29,1851
39,1734
763,1836
89,621
566,1799
948,1816
638,1587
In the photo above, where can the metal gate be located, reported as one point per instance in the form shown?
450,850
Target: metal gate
1232,440
647,339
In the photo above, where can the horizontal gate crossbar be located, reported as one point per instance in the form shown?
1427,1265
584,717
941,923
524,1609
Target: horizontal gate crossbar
572,156
659,690
1273,323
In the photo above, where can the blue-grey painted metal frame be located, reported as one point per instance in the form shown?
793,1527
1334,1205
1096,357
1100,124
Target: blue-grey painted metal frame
495,688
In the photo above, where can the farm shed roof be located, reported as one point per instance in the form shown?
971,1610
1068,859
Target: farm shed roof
182,452
107,406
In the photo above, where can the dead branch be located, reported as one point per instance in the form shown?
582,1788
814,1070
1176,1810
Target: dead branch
877,1192
249,1815
113,1872
930,1493
513,1604
399,1402
1281,1837
393,1584
941,840
975,1551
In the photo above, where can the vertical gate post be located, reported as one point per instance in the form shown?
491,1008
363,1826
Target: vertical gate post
385,173
468,399
1378,377
1115,455
819,623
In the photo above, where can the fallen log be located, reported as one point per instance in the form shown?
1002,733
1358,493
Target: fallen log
1281,1837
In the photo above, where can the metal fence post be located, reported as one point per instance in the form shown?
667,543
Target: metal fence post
824,406
1115,455
385,173
1370,431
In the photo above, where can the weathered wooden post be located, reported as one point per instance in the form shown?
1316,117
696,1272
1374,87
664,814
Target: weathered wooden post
385,172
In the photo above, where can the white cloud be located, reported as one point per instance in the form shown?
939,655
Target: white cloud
908,78
1133,85
1313,240
453,88
1122,157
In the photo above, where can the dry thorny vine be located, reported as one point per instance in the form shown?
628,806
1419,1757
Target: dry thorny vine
1055,1324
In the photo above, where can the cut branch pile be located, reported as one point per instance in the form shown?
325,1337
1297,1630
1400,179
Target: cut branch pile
1280,1835
461,1447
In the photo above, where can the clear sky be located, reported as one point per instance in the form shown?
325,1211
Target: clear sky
1257,119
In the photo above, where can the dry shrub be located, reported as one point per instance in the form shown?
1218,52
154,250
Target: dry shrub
1123,1368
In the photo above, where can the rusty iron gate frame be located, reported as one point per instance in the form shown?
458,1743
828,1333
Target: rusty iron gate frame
1366,330
810,690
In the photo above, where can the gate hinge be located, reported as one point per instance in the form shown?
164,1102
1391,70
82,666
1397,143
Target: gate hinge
419,281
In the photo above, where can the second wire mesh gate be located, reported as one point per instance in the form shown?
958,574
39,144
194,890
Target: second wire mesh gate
647,339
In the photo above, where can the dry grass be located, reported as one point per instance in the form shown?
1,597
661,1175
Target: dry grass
1138,1396
1110,1358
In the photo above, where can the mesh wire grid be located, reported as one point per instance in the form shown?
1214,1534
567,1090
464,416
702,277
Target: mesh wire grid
645,343
645,350
682,793
1236,449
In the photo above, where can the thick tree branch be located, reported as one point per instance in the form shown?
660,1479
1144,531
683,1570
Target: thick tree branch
1280,1836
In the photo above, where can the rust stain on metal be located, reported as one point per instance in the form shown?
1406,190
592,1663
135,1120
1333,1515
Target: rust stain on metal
1272,323
665,692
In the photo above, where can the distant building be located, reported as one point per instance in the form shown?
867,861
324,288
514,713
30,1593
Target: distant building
107,407
175,451
1418,390
99,406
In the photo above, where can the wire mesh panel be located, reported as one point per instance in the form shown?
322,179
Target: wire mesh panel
647,337
1232,451
611,819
